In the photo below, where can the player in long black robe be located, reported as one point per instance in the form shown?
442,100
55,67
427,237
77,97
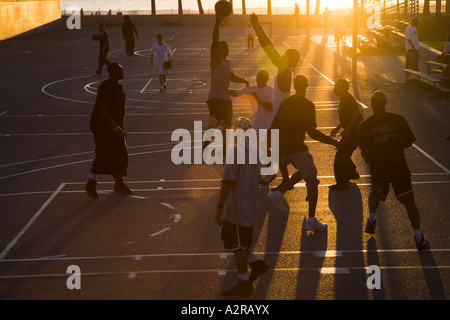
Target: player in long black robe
108,127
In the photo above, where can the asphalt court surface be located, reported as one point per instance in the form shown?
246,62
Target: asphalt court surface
162,242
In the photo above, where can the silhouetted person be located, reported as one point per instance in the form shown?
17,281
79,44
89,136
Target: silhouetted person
219,102
237,214
349,119
108,127
296,117
103,38
160,53
412,45
297,15
128,32
250,37
326,20
382,138
285,65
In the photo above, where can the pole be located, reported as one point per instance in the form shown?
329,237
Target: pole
355,39
307,24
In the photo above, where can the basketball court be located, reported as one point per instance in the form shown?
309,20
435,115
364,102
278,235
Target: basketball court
161,242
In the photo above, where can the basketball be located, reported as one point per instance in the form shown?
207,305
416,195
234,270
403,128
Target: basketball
223,8
167,64
95,36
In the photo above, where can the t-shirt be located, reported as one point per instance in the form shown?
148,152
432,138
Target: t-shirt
161,51
262,117
382,138
250,31
220,81
295,117
411,34
241,205
346,107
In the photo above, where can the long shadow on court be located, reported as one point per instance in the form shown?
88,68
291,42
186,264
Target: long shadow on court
275,229
309,275
347,208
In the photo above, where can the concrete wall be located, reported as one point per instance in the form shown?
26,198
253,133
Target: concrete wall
18,17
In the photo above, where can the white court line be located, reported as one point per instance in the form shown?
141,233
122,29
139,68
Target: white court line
221,272
3,113
219,255
210,180
432,159
159,188
84,153
145,87
30,222
159,232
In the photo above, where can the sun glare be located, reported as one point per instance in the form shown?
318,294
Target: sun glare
331,4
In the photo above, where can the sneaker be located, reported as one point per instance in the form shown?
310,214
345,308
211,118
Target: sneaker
91,189
258,268
161,89
242,289
279,186
370,226
121,187
339,186
165,88
267,179
278,199
422,244
313,225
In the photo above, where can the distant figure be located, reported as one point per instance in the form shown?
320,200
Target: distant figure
338,33
296,117
81,12
382,138
285,65
297,15
109,12
447,44
128,32
237,214
108,127
412,45
103,38
349,119
444,57
326,20
219,102
160,53
250,37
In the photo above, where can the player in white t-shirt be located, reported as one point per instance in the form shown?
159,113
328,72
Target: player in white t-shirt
237,214
412,45
263,96
160,53
250,37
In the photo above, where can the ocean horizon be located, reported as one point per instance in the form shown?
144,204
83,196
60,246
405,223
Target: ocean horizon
191,6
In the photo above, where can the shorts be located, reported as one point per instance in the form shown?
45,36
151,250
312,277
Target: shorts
221,110
304,163
401,184
236,237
